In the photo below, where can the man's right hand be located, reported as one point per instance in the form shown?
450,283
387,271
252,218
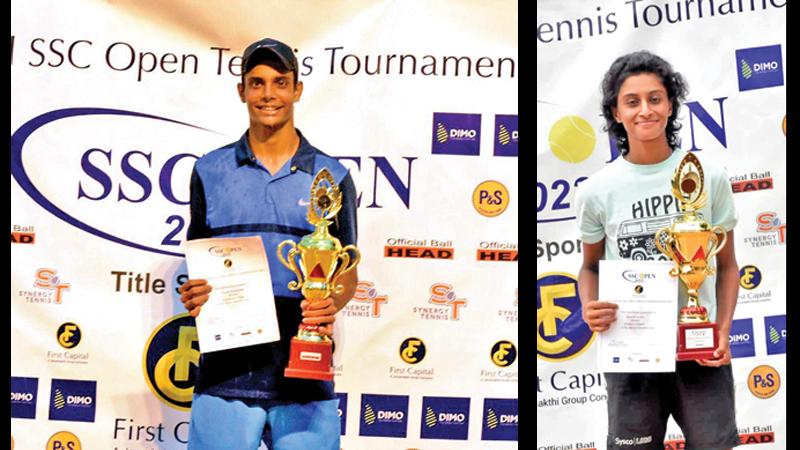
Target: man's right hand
599,315
194,293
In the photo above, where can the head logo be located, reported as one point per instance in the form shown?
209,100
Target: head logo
500,420
759,67
63,440
572,139
384,415
366,293
775,327
68,335
443,294
445,418
456,134
503,353
764,381
507,132
561,332
170,352
412,350
23,235
490,198
73,400
749,277
741,338
23,397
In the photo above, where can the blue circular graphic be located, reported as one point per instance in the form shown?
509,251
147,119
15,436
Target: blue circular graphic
561,332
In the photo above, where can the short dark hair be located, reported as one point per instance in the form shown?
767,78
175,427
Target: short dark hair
633,64
271,60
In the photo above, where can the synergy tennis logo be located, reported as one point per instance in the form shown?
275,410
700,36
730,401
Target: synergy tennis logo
503,353
366,301
63,440
342,412
412,350
749,277
764,381
23,397
500,420
561,332
445,418
384,415
73,400
775,327
48,288
759,67
456,134
169,355
741,338
68,335
506,131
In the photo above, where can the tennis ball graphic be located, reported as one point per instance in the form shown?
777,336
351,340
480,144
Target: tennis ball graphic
572,139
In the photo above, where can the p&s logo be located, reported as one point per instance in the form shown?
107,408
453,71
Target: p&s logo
764,381
490,198
23,397
445,418
500,420
759,67
749,277
73,400
68,335
775,327
412,350
63,440
122,168
506,142
456,134
169,354
741,338
384,415
561,332
503,353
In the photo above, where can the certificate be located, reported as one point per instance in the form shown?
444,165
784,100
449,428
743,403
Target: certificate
644,337
240,310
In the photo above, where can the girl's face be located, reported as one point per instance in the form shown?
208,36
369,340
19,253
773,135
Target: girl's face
643,108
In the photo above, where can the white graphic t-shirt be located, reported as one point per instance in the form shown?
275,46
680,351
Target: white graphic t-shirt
626,203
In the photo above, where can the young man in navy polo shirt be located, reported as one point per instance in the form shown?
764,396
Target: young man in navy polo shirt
260,186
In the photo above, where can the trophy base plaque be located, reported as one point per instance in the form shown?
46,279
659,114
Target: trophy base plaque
311,360
697,341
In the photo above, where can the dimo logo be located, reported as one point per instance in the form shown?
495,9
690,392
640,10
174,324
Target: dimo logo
119,165
169,354
561,332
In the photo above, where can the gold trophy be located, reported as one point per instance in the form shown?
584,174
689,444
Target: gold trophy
323,261
691,243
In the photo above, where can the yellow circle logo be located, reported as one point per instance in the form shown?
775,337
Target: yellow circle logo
572,139
490,198
764,381
64,440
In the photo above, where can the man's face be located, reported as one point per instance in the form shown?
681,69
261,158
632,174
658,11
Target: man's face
270,96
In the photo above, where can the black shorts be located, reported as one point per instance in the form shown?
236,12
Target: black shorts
699,398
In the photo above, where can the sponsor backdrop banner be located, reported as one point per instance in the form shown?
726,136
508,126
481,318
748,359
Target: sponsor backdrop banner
733,57
113,102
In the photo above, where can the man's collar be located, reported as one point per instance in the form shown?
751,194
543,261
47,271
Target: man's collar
303,158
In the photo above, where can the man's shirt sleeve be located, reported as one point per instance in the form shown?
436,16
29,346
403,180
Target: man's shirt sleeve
198,228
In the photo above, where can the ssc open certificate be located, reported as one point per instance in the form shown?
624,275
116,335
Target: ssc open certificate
240,310
644,337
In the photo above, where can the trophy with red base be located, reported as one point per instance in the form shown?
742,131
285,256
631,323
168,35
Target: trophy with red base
323,261
691,243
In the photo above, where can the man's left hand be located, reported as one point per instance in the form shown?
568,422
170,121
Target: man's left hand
321,312
722,355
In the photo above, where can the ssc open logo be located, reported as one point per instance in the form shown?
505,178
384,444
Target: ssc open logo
63,440
68,335
561,332
764,381
412,350
749,277
503,353
490,198
171,351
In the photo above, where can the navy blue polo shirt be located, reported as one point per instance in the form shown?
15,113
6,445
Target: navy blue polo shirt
234,195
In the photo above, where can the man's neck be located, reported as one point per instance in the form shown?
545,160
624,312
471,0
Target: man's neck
273,147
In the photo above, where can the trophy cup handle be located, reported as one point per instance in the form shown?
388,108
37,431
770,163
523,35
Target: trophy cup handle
346,265
290,264
716,245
